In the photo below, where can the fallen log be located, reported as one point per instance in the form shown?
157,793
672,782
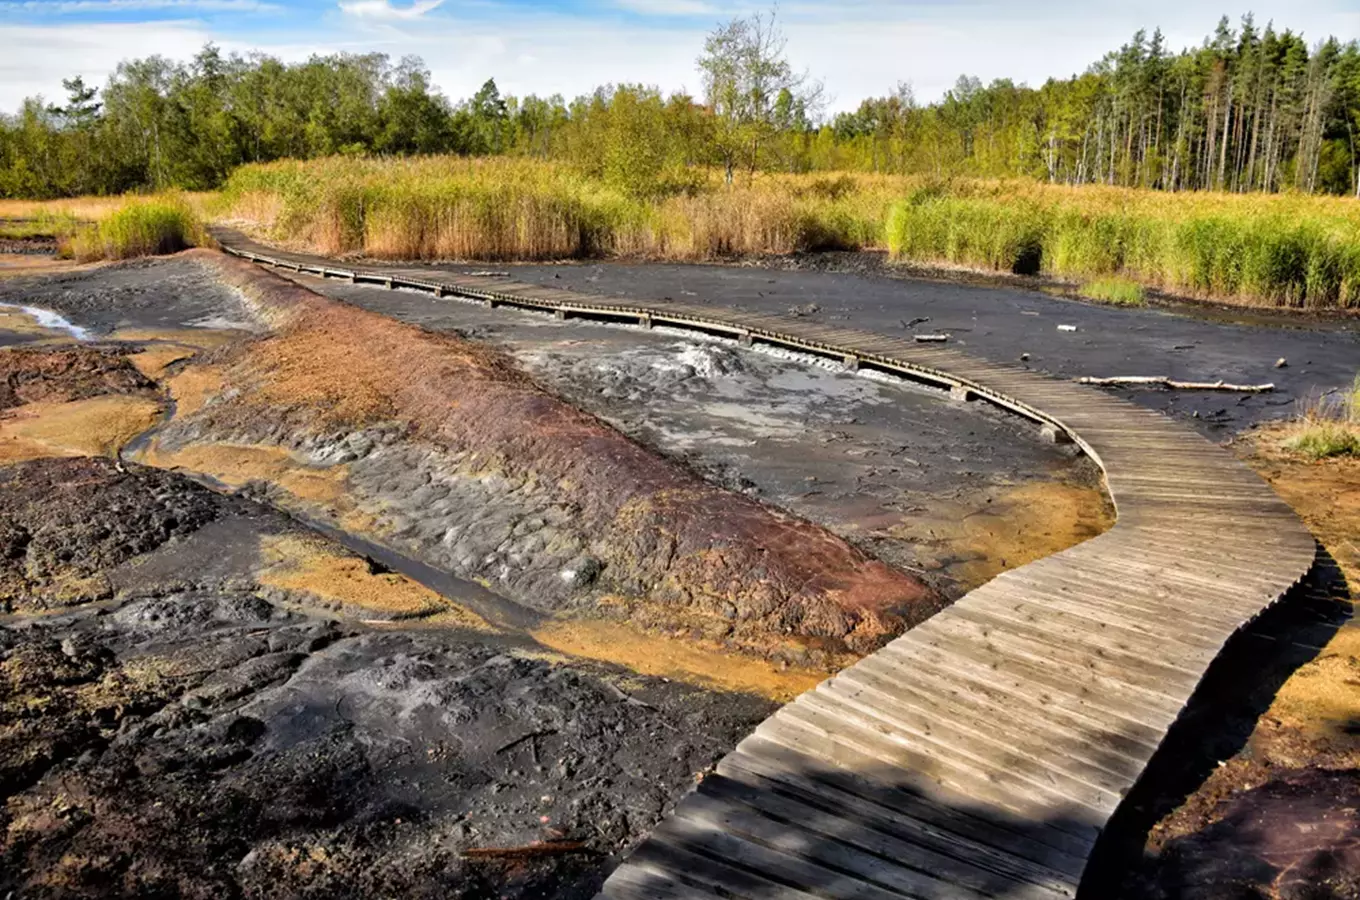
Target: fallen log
930,338
1161,381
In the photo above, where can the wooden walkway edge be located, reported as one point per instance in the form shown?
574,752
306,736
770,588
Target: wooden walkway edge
981,753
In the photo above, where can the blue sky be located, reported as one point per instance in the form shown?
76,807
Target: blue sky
857,47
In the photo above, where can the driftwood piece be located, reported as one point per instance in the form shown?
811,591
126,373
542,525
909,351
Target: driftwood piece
930,338
1161,381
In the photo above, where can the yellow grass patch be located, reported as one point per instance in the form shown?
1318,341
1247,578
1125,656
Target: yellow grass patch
99,426
342,581
687,661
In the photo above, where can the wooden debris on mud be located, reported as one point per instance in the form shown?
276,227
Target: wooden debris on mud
1161,381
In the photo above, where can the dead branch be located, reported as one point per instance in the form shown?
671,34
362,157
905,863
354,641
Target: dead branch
528,851
531,736
1161,381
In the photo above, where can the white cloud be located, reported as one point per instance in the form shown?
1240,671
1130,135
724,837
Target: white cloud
97,6
669,7
37,57
383,9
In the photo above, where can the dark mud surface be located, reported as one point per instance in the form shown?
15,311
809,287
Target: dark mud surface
73,373
1001,323
189,737
891,466
143,294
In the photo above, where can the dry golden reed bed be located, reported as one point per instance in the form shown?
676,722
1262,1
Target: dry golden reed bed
1280,250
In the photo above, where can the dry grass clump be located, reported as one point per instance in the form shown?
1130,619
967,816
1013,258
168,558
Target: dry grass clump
1329,426
141,227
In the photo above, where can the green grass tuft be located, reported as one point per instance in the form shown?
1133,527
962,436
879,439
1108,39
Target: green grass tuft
1114,291
141,227
1321,440
1329,426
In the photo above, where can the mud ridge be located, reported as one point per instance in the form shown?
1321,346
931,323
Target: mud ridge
459,460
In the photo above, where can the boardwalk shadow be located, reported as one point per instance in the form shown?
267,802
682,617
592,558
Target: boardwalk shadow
1223,712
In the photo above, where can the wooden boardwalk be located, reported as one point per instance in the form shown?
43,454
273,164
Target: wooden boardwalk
981,753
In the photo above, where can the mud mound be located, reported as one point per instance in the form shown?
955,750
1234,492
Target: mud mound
64,522
476,469
69,373
206,745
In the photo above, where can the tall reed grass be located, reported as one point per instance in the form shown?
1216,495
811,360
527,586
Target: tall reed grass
1289,251
1281,250
147,226
500,209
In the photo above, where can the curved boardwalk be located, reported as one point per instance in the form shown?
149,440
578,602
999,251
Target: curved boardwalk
981,753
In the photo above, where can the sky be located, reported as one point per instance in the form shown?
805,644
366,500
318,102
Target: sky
857,48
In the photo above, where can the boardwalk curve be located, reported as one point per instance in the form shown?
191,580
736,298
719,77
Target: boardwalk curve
981,753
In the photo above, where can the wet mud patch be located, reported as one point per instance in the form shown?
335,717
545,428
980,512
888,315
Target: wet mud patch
954,493
332,763
65,523
142,299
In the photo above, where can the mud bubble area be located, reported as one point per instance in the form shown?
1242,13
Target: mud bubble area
396,596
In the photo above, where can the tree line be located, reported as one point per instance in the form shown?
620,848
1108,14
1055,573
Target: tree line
1249,109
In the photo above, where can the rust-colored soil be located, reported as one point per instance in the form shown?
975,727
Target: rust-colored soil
100,426
693,662
343,582
667,536
1019,525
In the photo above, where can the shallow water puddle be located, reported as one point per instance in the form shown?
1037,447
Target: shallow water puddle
47,320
